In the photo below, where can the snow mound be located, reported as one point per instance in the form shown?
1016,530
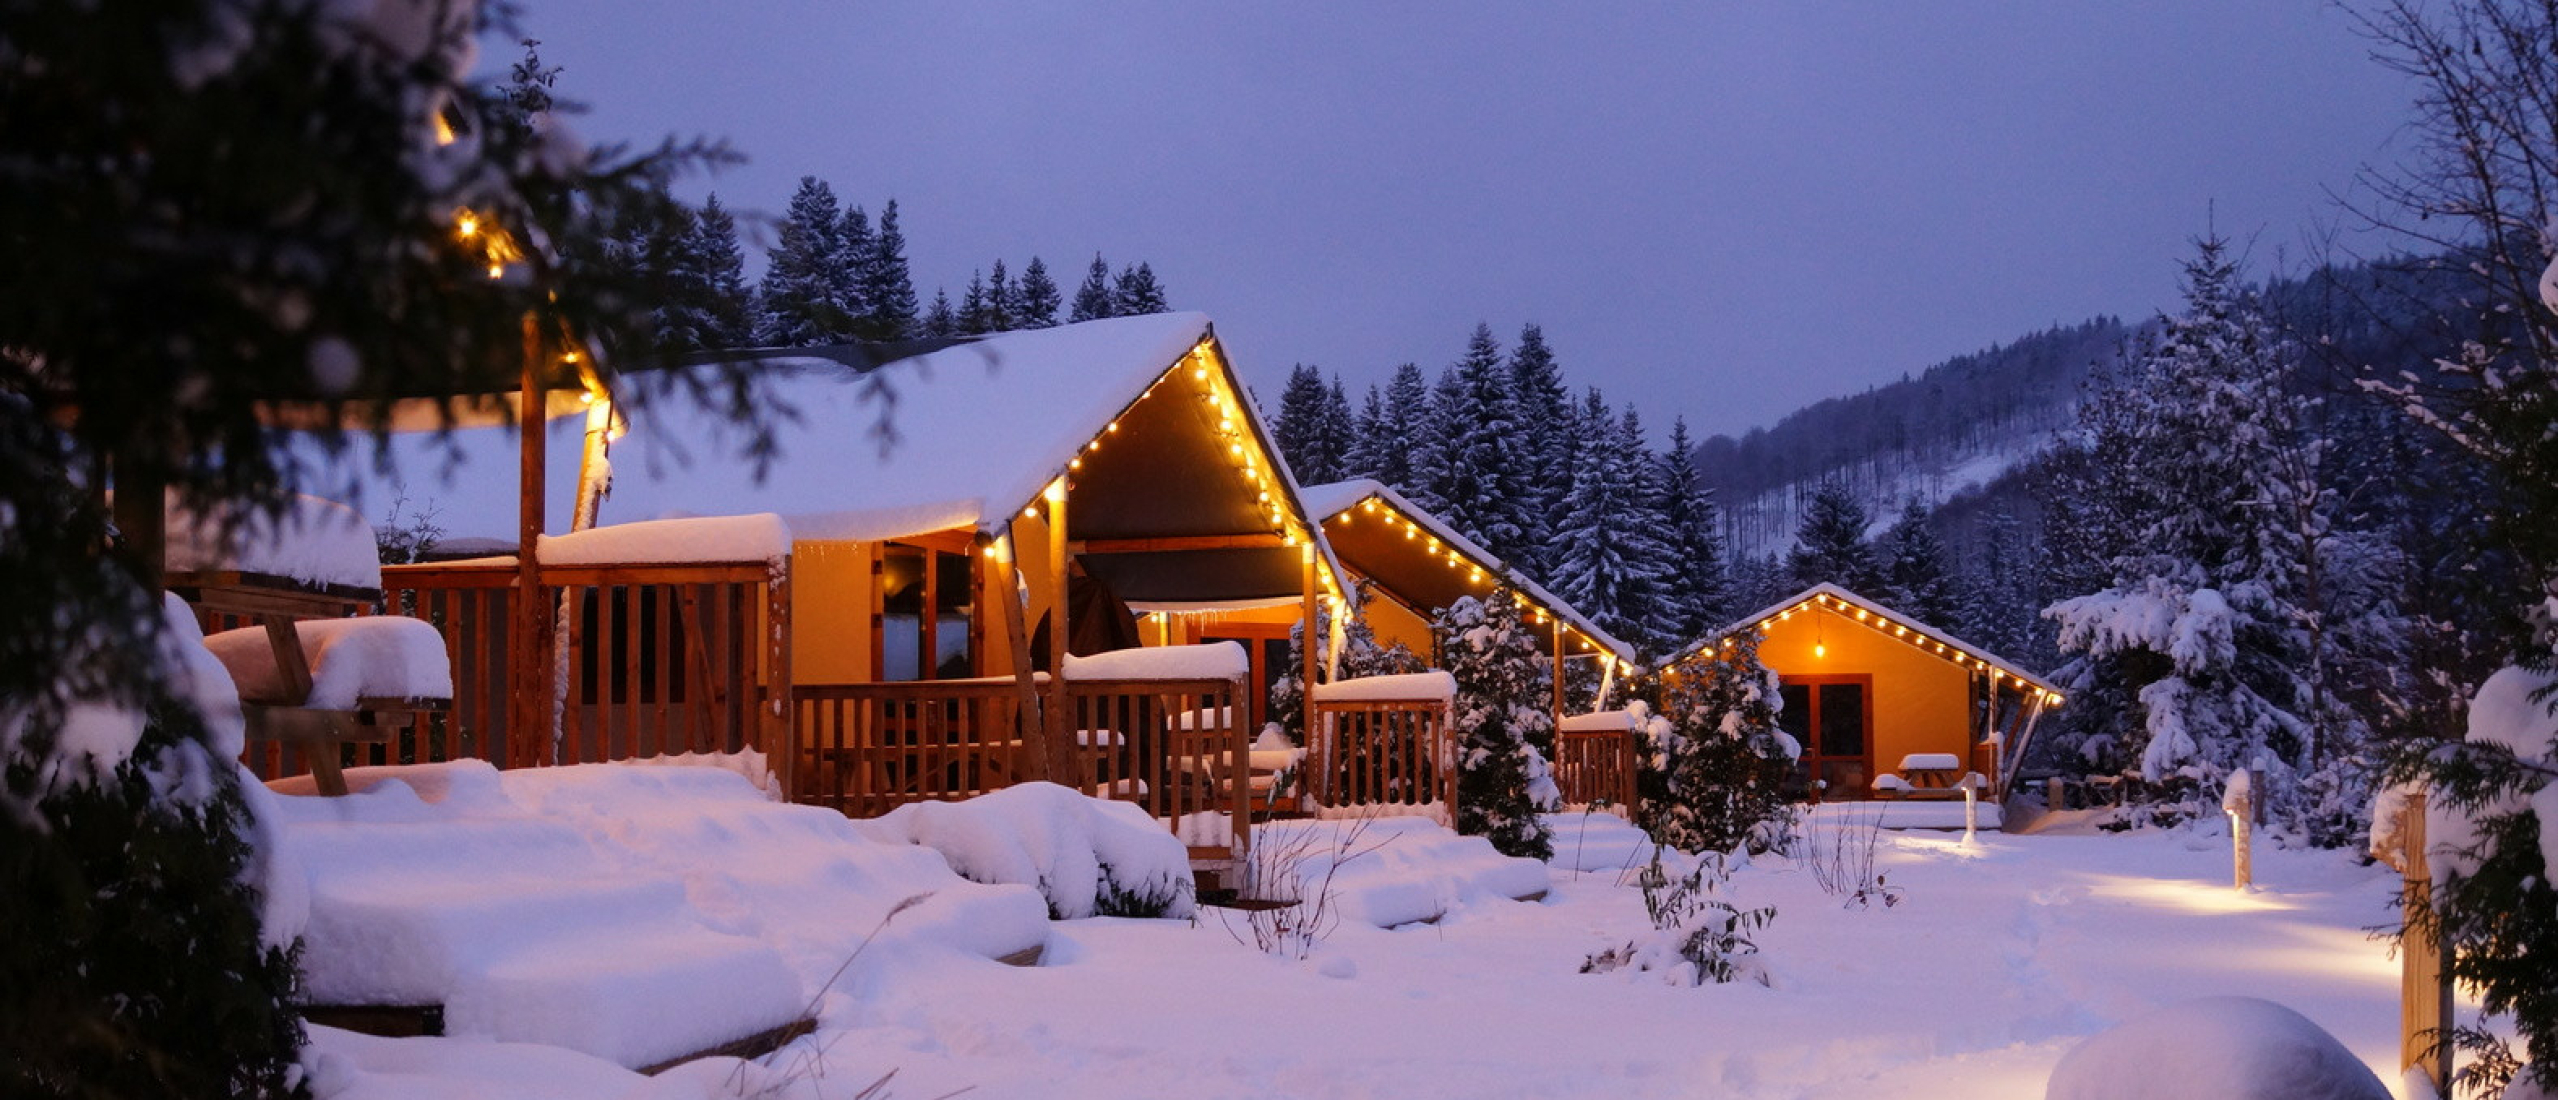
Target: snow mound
1213,661
315,541
1393,870
1597,841
2241,1048
633,914
1088,856
759,537
1606,721
380,656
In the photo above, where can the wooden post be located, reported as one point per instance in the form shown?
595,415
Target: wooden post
591,464
877,607
781,713
928,626
2424,981
529,680
1558,673
1059,750
1313,616
1017,635
2240,804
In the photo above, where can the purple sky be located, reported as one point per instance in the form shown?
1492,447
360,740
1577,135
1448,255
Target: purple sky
1724,209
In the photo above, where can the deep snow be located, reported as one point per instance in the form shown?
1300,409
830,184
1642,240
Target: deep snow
1999,958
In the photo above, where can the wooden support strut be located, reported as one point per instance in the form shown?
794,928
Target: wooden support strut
1017,639
1057,754
2425,1004
529,726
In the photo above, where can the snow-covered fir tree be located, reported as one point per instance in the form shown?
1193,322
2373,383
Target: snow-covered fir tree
728,319
1830,545
1366,427
1000,299
1915,578
1387,441
1361,656
974,313
1697,587
1611,545
806,281
854,245
1471,468
1305,430
1036,298
1542,408
1136,292
1997,594
1716,774
941,319
1503,711
1093,300
887,288
2203,623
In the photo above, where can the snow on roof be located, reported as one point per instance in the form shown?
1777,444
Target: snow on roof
1919,634
759,537
980,428
1328,500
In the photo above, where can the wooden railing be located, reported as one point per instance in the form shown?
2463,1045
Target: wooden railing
653,660
866,749
1389,755
1596,767
1171,746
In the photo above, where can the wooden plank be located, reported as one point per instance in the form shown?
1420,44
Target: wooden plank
2425,988
750,1047
781,737
530,655
1179,542
737,573
957,540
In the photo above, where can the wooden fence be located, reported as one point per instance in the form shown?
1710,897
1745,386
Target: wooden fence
1596,767
1171,746
1394,755
656,659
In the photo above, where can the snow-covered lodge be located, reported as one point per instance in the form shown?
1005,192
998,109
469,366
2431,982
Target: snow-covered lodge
1887,706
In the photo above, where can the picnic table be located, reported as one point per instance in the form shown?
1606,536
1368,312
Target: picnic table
1926,775
276,707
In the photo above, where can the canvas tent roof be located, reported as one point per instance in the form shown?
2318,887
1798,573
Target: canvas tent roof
1883,620
1412,574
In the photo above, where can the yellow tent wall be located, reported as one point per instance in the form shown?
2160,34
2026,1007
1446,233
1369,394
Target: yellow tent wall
831,636
1920,702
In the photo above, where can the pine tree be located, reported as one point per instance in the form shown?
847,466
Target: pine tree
2203,621
854,250
1092,300
1340,429
1389,444
1998,594
729,314
1717,775
1136,292
941,321
1543,409
1037,298
1477,468
802,293
887,289
1502,711
1000,300
1914,573
1611,546
1830,547
1367,430
1436,445
1299,429
1697,594
975,318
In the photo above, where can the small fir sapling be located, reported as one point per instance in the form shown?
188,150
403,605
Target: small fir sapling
1504,696
1715,776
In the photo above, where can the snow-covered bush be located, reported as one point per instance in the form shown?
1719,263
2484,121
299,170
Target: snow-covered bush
1715,774
1090,857
1503,706
1697,935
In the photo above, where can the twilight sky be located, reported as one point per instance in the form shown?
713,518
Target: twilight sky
1725,209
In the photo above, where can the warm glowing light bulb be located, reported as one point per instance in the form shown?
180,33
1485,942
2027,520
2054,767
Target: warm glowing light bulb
1819,650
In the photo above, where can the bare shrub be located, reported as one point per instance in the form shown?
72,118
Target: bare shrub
1840,854
1291,926
1697,934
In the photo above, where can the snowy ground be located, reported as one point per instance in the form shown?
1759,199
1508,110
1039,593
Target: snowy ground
1996,960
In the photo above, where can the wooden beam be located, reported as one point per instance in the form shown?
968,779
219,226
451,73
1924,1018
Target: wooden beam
1012,600
957,540
1558,670
928,625
2425,1005
781,712
1313,620
529,658
1179,542
1059,751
